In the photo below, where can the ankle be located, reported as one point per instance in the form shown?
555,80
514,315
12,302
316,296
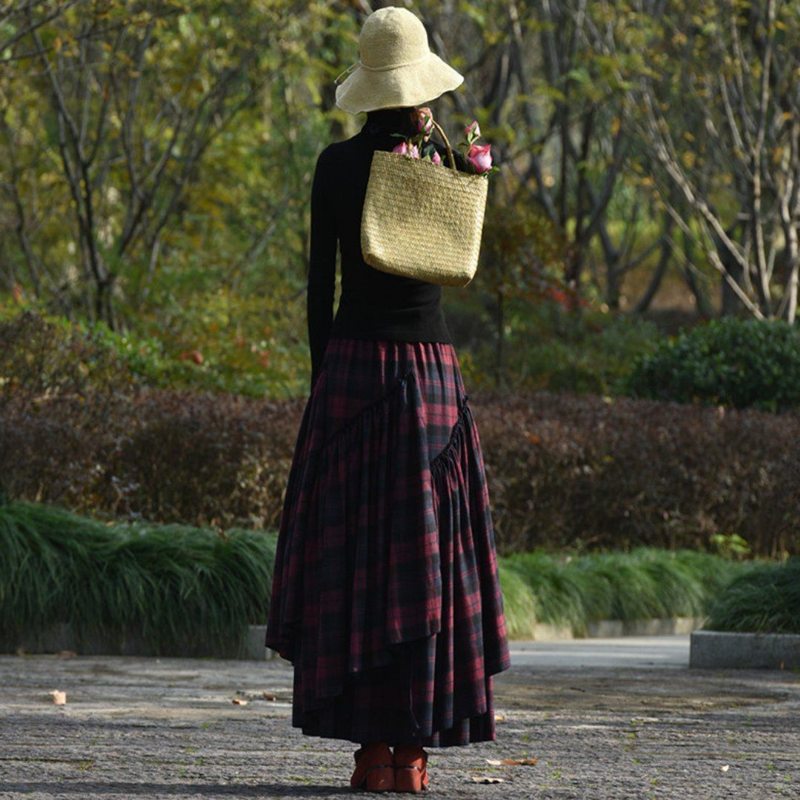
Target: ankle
373,747
409,752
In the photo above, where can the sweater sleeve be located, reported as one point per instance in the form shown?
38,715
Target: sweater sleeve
321,265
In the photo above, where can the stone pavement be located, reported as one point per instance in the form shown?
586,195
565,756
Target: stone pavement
168,728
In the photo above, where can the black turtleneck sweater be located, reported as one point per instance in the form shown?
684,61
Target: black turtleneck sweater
373,304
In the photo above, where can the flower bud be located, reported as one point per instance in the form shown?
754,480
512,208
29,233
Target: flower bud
480,156
424,121
473,131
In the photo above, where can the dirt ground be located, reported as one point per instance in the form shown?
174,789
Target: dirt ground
169,728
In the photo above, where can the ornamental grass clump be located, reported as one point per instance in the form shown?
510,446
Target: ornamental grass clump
174,587
645,583
763,600
181,590
519,603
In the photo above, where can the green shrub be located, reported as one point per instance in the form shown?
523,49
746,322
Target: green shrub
763,600
730,362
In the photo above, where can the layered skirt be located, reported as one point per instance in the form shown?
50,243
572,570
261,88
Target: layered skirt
385,592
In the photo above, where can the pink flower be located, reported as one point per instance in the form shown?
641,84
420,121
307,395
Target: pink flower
424,120
480,156
436,158
473,131
404,148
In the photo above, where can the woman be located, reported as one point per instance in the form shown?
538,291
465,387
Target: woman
385,594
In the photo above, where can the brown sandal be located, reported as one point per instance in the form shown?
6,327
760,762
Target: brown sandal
410,769
374,769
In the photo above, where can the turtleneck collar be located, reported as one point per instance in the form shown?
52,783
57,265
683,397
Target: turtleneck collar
388,121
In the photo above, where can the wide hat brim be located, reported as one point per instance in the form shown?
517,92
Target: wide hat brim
409,85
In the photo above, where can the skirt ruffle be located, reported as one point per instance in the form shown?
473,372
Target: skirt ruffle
385,592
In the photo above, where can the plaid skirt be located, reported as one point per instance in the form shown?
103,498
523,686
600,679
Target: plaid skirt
385,592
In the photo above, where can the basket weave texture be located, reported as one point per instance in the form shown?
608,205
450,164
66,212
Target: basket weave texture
422,220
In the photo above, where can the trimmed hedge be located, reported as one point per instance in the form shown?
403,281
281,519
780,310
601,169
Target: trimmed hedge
564,471
616,473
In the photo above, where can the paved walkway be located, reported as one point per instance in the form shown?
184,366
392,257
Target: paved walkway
623,651
168,728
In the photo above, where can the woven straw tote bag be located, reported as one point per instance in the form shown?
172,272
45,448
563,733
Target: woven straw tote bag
423,220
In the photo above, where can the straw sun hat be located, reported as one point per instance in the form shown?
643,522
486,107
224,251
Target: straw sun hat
395,67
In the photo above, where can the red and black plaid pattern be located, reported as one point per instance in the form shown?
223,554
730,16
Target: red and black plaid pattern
385,592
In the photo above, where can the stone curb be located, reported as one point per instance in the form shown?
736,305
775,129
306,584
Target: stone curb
614,628
721,650
60,637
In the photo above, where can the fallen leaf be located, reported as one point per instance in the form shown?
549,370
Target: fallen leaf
59,698
240,701
725,768
520,762
486,779
499,717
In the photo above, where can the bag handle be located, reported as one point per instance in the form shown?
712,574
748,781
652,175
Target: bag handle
450,157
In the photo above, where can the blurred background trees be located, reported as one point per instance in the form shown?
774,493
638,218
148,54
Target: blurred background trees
156,159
